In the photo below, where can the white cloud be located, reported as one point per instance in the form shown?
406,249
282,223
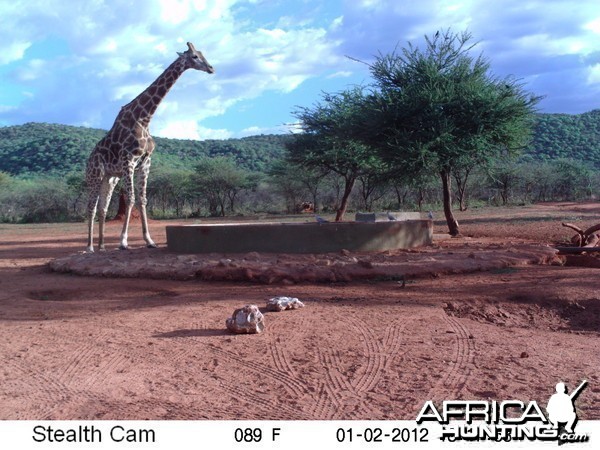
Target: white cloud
189,129
340,74
33,70
174,11
254,130
13,51
119,48
107,45
533,39
127,92
594,75
593,26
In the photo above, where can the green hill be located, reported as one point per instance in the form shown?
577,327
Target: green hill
567,136
35,148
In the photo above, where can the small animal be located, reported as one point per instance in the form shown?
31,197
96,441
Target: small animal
319,219
430,215
390,216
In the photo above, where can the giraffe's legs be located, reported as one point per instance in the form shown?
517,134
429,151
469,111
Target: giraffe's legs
106,190
129,200
141,181
94,190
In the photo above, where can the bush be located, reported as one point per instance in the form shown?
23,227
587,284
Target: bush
36,201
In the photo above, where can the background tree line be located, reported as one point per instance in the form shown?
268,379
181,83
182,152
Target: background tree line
41,149
182,193
433,124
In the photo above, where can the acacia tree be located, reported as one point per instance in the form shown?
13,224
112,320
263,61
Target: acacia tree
438,109
504,178
329,141
169,188
219,181
373,187
297,183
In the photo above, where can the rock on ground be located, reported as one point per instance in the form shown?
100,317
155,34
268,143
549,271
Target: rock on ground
283,303
246,320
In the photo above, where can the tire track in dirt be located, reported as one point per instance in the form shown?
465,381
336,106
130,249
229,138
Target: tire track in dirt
145,409
392,341
326,405
339,388
372,371
74,402
272,408
89,367
84,355
44,391
317,399
179,354
278,352
328,402
52,393
15,394
111,364
279,355
379,353
292,384
452,384
329,359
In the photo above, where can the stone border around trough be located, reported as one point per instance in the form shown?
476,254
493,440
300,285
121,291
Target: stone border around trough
297,268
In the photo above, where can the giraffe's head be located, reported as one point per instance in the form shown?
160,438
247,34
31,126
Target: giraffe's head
194,59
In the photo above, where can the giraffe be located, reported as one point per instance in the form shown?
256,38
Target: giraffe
126,151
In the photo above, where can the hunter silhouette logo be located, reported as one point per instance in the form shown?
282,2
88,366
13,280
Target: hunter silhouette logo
509,420
561,408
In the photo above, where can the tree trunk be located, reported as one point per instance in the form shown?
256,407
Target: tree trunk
447,191
400,196
504,194
349,184
315,198
421,198
232,195
461,188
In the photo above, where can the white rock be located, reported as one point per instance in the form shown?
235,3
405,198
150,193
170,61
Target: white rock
283,303
246,320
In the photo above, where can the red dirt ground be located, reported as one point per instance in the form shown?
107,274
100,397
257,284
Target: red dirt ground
81,347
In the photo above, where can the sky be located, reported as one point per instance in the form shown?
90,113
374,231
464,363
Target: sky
77,63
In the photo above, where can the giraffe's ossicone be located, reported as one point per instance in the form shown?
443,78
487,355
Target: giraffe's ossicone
126,151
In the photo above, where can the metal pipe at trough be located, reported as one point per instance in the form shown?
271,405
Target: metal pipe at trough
299,237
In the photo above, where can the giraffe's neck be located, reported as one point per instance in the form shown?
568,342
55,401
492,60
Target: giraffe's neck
144,105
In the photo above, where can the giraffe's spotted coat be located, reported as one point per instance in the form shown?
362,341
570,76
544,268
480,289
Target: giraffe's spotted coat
126,151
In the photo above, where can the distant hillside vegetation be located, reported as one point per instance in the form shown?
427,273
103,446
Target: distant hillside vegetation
567,136
35,148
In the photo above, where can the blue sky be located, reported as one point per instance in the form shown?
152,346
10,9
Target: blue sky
77,63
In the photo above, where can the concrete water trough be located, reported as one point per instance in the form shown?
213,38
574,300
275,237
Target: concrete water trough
299,237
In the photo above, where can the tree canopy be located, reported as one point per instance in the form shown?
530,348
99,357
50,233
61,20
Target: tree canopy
438,108
218,180
329,140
